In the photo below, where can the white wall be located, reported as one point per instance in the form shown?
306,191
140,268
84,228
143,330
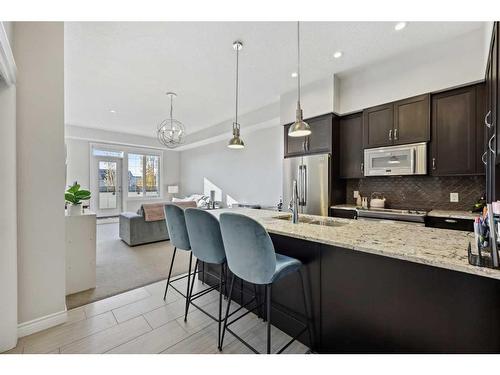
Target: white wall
39,54
251,175
8,220
78,141
316,99
414,73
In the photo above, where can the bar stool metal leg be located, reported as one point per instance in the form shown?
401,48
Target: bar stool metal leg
220,306
268,303
189,279
190,290
227,311
169,273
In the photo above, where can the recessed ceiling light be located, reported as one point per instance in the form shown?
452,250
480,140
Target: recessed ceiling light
337,54
294,75
112,111
400,26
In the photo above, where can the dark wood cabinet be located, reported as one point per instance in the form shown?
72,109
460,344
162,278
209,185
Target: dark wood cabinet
378,123
412,120
450,223
481,130
453,146
320,140
351,146
401,122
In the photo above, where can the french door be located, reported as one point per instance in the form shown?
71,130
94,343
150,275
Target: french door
107,186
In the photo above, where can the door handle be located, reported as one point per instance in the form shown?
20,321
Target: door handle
390,135
362,168
489,144
486,119
482,158
434,163
395,134
304,181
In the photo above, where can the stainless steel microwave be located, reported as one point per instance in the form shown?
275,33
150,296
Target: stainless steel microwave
401,160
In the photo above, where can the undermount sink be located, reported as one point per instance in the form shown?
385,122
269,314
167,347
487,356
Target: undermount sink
309,220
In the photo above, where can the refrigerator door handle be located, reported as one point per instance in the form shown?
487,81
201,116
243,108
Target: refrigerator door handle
304,181
299,184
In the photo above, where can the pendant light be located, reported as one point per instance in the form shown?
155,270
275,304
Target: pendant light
299,128
171,132
236,142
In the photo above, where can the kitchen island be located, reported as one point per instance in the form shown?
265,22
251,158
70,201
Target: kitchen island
383,288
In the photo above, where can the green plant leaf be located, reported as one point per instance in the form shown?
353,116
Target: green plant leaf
73,189
70,198
82,193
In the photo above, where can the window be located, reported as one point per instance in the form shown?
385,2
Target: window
100,152
143,175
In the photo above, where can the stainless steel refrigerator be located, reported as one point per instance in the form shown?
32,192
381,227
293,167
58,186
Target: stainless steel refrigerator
312,174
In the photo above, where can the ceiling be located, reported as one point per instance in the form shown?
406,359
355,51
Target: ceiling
127,67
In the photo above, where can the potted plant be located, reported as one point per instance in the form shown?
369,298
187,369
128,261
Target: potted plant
74,196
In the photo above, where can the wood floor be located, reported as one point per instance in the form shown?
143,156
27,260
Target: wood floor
139,321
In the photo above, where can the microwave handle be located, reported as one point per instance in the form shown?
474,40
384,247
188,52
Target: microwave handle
412,159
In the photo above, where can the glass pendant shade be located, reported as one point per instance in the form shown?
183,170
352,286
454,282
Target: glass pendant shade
171,132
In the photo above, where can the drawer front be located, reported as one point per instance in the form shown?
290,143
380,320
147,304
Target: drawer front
342,213
449,223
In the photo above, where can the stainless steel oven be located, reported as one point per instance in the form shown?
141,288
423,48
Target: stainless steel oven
401,160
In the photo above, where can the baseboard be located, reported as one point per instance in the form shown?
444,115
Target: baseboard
44,322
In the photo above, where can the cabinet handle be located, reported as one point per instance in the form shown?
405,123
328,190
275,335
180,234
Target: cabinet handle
434,163
362,168
390,135
482,158
486,119
489,144
395,134
451,221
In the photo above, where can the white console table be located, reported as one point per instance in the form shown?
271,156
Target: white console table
80,252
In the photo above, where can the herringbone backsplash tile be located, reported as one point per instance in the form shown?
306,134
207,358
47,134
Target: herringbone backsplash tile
420,192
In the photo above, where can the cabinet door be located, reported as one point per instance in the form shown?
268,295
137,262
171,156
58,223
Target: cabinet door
320,139
378,126
293,145
481,140
454,132
412,120
351,146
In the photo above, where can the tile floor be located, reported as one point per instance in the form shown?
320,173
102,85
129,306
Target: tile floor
139,321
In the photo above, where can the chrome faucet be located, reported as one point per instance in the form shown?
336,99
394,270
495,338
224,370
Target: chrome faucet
294,203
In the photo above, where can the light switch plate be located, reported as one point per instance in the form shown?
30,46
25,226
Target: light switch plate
453,197
356,194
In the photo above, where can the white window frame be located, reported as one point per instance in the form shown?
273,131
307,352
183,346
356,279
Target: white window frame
144,196
131,150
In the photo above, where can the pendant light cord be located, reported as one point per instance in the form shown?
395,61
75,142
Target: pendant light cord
171,105
237,83
298,64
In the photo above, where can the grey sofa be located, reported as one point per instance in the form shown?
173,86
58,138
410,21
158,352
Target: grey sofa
135,230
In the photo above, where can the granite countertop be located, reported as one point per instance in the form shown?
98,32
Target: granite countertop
453,214
430,246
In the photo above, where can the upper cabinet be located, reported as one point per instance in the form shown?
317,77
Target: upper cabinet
320,140
412,120
401,122
378,124
351,146
455,126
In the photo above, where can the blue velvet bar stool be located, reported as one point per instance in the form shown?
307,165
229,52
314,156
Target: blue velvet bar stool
251,256
177,231
207,246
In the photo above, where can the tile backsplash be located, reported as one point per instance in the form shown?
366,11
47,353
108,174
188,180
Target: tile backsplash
420,192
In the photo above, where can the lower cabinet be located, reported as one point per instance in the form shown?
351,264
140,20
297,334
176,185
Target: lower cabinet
449,223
